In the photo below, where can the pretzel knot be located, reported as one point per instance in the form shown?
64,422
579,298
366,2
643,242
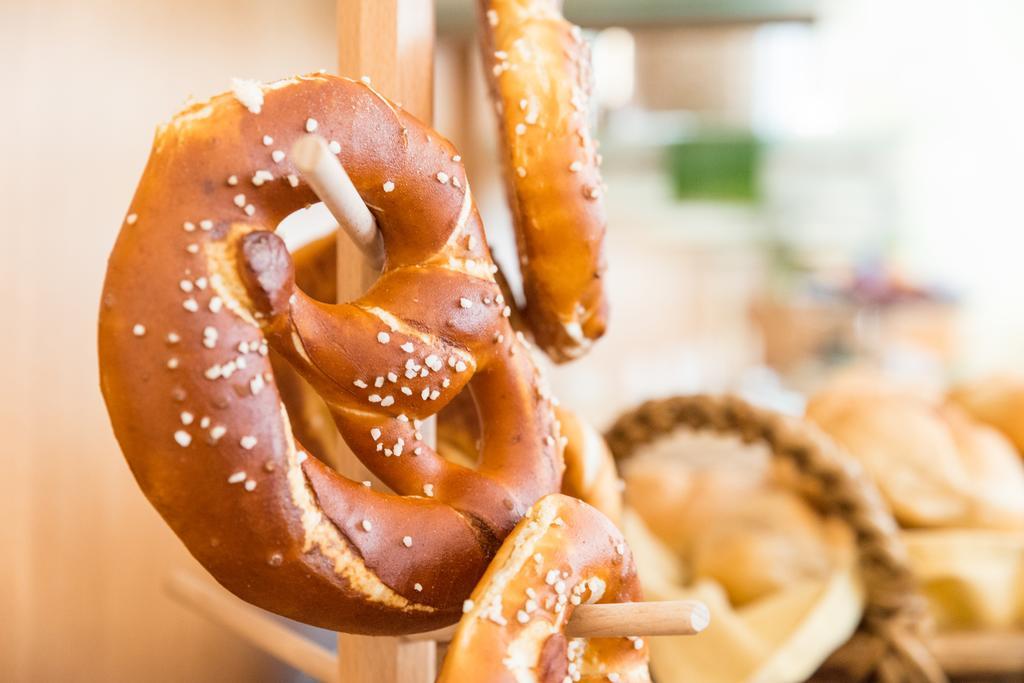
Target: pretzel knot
199,289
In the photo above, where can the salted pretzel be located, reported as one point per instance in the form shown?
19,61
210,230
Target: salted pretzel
562,554
538,68
199,289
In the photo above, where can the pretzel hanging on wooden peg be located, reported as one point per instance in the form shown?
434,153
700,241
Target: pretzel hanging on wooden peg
564,554
590,473
199,288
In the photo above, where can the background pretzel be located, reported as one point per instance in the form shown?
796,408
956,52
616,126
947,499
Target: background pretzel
562,554
538,68
590,471
889,644
197,290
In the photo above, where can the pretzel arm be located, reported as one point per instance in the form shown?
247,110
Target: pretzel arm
378,526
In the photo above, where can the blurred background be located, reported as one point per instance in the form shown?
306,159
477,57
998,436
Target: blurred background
794,186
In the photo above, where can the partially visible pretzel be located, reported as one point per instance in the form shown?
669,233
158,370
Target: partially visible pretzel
563,553
590,471
538,67
198,289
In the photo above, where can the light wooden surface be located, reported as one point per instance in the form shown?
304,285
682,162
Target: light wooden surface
374,659
84,554
392,43
980,653
254,625
668,618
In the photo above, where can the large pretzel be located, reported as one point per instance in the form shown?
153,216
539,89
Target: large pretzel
562,554
198,289
538,67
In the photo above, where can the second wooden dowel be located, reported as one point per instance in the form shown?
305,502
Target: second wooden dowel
617,620
323,172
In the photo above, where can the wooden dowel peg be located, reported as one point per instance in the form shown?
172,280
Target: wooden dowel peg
669,618
323,172
254,625
617,620
980,653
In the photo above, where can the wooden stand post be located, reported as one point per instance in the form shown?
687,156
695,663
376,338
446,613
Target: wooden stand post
391,42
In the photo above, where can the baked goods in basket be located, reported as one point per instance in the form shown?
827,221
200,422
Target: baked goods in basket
974,578
955,483
997,401
780,579
746,533
788,628
935,465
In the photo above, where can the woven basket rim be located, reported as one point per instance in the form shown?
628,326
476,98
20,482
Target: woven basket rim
895,617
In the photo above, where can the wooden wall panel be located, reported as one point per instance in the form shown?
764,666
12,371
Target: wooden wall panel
85,84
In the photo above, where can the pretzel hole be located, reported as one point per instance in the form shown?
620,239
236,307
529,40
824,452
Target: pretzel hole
460,430
310,235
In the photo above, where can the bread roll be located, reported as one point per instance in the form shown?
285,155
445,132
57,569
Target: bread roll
935,465
998,402
735,526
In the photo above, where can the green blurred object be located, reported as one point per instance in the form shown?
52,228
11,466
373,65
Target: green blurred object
717,166
457,16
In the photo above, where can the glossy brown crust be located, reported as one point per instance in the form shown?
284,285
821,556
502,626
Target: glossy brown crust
590,471
538,67
316,274
562,554
197,291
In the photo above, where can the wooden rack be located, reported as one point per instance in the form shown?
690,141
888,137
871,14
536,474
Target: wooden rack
272,635
959,654
392,43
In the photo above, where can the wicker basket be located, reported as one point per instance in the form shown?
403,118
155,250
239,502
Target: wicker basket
890,643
